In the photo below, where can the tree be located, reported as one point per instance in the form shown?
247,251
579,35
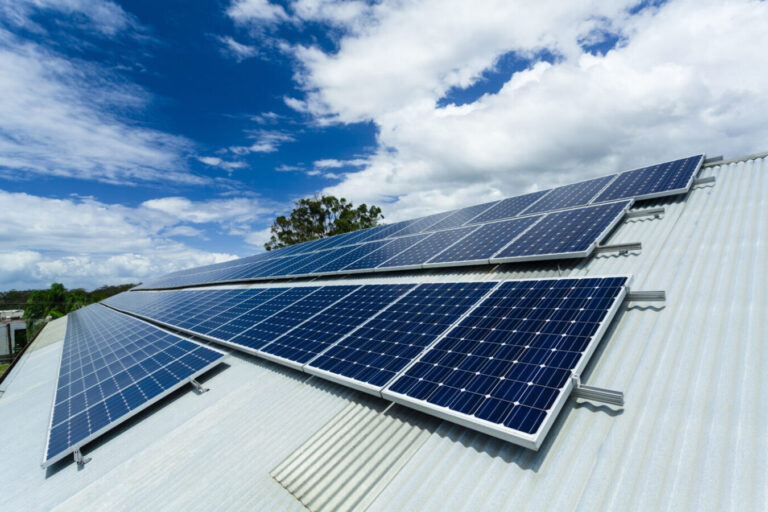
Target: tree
319,217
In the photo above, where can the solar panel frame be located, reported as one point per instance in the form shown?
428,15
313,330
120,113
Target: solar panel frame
651,195
563,255
530,441
48,461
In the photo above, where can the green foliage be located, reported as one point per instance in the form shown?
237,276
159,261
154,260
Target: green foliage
319,217
57,301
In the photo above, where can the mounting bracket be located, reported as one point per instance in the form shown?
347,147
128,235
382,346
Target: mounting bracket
622,249
198,387
79,459
646,296
594,394
647,212
703,181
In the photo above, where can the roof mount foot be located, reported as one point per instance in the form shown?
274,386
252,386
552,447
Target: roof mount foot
593,394
645,212
79,459
646,296
622,249
199,387
703,181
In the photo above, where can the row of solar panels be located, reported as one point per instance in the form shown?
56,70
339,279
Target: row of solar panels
482,244
494,356
113,366
565,234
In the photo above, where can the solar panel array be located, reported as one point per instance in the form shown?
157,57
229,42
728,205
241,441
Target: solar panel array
458,350
457,237
112,366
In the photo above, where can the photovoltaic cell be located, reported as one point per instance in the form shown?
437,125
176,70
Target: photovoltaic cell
219,317
379,256
508,364
508,208
655,181
571,233
320,260
346,257
238,325
421,224
420,252
311,338
374,353
112,366
271,328
568,196
487,240
461,217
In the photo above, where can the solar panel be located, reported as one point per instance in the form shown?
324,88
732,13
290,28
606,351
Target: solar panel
420,225
311,338
220,316
384,253
346,257
568,196
373,354
508,208
566,234
506,368
320,260
273,326
113,366
461,217
419,253
387,230
279,298
478,247
665,179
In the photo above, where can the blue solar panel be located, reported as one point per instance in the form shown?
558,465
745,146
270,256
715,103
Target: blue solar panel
271,328
219,316
507,366
568,196
421,252
385,252
420,224
567,234
463,216
373,354
280,299
655,181
322,259
112,366
481,244
386,231
508,208
346,257
315,335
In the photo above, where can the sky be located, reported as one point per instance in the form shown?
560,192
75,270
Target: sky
142,137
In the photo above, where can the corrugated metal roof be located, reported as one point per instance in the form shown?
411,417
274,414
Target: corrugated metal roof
693,434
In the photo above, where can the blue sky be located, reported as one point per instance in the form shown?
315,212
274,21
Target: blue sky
137,138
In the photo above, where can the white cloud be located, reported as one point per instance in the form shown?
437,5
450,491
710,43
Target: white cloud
244,11
688,77
258,238
215,161
59,117
106,17
238,51
333,163
86,243
266,141
222,211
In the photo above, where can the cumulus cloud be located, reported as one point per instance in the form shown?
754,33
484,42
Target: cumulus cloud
85,242
238,51
244,11
687,77
66,117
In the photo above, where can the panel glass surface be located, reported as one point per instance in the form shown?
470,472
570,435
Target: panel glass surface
112,365
346,257
422,251
385,252
377,351
421,224
509,360
567,196
315,335
568,232
278,324
460,217
654,181
486,241
508,208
